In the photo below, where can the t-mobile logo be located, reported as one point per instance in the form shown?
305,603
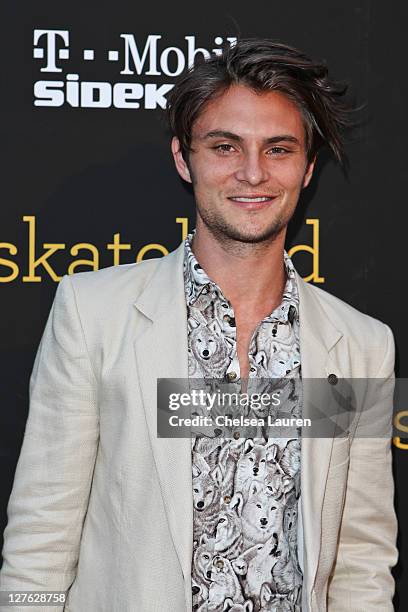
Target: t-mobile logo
149,57
49,51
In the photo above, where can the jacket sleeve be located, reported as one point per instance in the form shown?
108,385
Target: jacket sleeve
53,477
361,580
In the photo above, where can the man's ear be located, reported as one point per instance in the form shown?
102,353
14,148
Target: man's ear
181,165
309,172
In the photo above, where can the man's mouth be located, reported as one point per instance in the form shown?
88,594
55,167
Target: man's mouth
249,199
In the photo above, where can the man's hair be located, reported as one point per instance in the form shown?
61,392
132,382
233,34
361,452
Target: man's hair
264,65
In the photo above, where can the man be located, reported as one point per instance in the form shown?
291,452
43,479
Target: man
127,521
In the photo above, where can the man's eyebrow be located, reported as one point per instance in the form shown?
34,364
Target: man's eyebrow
237,138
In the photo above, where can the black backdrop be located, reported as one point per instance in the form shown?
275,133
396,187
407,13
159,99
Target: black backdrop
75,175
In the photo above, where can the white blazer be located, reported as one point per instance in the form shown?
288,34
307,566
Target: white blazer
103,508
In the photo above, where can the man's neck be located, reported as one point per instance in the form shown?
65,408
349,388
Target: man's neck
251,276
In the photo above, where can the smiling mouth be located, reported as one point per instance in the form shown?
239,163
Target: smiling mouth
247,199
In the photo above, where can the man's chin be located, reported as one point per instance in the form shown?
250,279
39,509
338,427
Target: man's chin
243,230
248,236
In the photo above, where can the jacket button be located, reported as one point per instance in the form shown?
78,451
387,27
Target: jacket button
332,379
232,376
227,499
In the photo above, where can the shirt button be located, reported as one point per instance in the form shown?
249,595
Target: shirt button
219,563
231,375
236,435
227,499
332,379
226,317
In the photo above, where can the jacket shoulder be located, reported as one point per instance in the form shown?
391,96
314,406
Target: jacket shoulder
345,317
368,338
114,282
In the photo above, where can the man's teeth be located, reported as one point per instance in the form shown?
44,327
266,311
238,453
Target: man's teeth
265,199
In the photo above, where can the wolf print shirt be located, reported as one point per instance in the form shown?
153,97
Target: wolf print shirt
245,489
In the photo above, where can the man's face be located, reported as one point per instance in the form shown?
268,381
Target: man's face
248,164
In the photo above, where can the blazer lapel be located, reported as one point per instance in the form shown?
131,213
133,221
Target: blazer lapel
318,336
161,352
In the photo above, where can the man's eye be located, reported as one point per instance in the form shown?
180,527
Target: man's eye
279,150
223,148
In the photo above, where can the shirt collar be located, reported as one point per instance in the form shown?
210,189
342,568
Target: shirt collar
196,281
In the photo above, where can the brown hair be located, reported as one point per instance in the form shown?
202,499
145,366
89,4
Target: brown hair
264,65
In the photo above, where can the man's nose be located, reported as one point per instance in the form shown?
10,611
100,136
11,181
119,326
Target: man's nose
252,169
